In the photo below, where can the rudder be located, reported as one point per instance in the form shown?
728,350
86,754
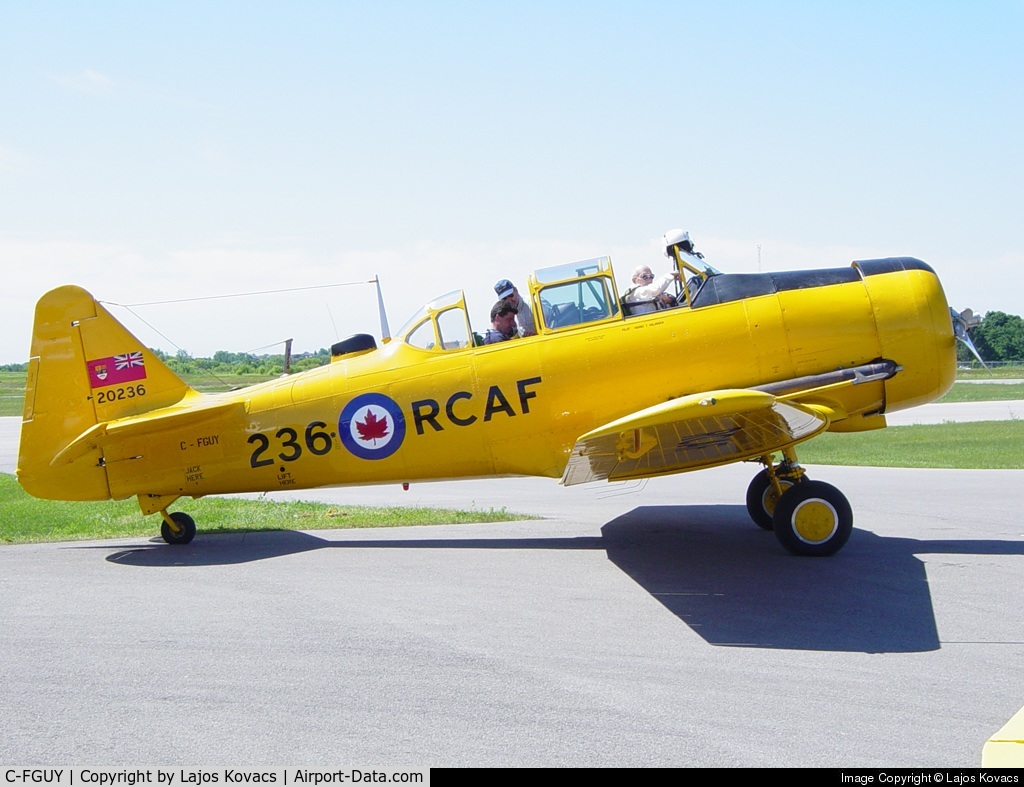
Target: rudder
85,368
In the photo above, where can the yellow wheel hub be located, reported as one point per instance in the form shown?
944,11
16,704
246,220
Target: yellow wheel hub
815,521
770,498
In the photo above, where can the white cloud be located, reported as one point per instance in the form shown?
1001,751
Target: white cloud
87,81
12,161
742,256
124,276
316,316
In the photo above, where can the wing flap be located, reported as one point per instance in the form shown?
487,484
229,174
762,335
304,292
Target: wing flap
690,433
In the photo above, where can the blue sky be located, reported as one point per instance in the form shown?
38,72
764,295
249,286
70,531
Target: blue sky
157,151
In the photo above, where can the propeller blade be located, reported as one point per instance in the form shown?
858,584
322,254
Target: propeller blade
962,322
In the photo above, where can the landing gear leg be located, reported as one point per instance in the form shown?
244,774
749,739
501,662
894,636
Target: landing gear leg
809,518
177,528
769,485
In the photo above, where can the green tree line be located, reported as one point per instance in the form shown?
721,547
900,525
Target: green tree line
999,338
224,362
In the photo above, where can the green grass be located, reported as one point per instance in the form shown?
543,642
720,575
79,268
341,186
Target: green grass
23,519
992,372
12,392
984,392
208,383
983,445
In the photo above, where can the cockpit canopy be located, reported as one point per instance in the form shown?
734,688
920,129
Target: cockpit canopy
442,324
562,297
575,293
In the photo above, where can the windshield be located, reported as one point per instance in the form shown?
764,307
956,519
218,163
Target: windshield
697,264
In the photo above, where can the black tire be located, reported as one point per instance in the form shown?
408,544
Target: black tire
762,500
186,529
814,519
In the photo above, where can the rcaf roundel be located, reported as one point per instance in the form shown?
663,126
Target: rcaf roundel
372,426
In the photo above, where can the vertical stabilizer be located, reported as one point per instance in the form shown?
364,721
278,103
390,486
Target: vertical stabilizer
85,369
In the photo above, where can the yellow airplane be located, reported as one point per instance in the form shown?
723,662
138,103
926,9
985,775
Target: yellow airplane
740,367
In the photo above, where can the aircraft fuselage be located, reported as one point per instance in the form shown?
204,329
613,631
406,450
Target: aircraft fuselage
403,413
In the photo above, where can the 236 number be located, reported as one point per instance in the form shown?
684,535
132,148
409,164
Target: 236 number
317,441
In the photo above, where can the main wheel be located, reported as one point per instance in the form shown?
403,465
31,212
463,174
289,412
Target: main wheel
813,518
762,499
186,529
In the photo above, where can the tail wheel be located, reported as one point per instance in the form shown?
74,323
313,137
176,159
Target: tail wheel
186,529
762,499
813,518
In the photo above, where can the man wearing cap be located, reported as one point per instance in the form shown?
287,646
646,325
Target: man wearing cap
524,315
503,323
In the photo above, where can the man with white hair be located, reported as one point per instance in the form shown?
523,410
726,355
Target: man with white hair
646,294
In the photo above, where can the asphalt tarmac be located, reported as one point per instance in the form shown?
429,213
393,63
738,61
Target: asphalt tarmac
649,624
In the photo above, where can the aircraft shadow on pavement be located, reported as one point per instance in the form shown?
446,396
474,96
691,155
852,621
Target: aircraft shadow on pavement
732,583
735,586
220,549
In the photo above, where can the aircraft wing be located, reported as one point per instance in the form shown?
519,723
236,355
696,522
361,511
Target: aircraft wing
693,432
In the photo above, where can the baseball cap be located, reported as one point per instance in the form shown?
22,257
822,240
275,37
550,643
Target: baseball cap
504,288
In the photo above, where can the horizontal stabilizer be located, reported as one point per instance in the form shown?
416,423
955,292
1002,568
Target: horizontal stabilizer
168,419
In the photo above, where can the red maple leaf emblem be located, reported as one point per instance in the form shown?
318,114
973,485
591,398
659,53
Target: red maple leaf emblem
372,428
